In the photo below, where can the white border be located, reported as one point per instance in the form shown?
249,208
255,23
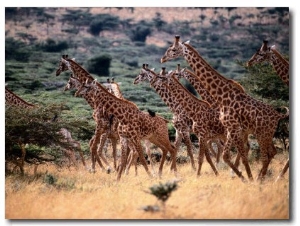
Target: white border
294,49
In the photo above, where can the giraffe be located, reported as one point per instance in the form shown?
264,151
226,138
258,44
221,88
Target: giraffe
109,124
115,89
181,122
239,113
134,125
205,95
280,65
271,55
182,102
206,124
156,130
104,121
12,99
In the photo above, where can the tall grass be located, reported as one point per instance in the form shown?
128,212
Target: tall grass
78,194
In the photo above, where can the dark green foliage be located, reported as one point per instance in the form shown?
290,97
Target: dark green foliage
52,46
77,17
262,80
16,50
103,22
140,32
158,22
36,127
100,65
50,179
34,85
10,12
163,191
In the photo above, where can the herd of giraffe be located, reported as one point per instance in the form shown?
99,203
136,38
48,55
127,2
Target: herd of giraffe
225,115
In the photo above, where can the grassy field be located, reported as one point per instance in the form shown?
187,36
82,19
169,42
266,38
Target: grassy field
78,194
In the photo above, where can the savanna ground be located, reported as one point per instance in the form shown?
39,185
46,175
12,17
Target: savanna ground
70,193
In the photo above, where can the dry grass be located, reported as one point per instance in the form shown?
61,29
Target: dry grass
77,194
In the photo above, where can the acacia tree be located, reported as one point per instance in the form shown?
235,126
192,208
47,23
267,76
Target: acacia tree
37,127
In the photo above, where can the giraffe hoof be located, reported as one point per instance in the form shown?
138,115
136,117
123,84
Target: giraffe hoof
92,171
108,170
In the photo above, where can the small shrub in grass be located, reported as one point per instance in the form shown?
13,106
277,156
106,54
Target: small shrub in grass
163,191
50,179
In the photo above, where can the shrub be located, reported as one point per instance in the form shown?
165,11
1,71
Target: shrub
139,32
52,46
100,65
103,22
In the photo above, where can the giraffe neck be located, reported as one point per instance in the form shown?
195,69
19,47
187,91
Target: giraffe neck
123,110
79,72
216,84
116,90
186,103
12,99
163,91
196,83
280,65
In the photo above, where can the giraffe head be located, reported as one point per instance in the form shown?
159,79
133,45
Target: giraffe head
73,83
174,51
86,88
64,65
145,74
261,55
171,75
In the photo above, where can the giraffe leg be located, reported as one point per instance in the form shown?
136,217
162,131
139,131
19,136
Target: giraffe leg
103,138
187,141
132,160
124,155
93,148
268,151
204,151
114,142
285,168
78,147
238,156
220,147
148,152
231,137
141,155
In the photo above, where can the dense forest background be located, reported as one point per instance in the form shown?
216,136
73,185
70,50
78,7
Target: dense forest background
115,42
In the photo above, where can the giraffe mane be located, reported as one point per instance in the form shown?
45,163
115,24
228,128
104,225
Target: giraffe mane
19,98
279,55
232,82
85,71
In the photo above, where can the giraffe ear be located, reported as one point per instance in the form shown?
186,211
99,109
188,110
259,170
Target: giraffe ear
273,47
187,42
94,81
73,59
152,69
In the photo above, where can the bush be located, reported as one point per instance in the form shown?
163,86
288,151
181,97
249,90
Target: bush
16,50
140,32
100,65
53,46
103,22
